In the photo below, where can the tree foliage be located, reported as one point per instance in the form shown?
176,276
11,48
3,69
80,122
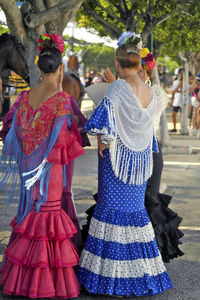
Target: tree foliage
111,17
99,57
3,29
178,34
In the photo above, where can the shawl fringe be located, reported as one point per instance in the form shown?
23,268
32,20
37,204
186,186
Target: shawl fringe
31,171
130,166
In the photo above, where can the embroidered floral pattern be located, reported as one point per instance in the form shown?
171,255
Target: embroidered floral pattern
36,125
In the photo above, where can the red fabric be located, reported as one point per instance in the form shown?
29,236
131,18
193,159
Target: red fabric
45,225
75,131
40,260
39,282
44,253
36,125
66,148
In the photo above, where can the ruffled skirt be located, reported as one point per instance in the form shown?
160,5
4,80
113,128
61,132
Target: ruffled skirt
121,256
40,260
165,223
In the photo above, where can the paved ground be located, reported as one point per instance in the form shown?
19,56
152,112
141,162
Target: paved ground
181,175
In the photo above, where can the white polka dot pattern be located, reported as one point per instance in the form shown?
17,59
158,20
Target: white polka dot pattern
124,235
121,268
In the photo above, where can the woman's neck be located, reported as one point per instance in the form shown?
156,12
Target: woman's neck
128,74
50,81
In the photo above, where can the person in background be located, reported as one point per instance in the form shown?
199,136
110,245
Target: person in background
190,93
89,78
97,78
165,221
5,91
176,98
78,120
195,100
1,97
82,79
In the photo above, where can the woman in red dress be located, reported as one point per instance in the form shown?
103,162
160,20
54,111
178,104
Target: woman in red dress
39,261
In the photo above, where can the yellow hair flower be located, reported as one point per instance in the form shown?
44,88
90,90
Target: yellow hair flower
144,52
36,59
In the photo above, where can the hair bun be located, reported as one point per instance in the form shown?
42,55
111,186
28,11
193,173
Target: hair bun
49,60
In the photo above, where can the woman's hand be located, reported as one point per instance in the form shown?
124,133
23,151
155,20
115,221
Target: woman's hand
109,76
101,146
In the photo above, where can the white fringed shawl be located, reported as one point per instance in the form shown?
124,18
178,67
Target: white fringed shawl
131,147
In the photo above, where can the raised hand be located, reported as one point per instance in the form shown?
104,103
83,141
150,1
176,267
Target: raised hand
109,76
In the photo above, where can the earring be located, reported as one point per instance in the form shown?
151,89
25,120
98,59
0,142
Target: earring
148,81
59,78
40,78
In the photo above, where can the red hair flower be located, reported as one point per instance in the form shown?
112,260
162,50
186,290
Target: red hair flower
149,57
59,42
51,41
150,64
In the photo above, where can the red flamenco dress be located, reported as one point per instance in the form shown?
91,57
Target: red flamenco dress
39,261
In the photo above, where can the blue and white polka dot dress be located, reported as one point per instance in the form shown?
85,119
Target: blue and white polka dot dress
120,256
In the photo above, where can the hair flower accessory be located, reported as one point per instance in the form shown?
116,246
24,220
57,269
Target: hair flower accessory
144,52
130,37
148,61
51,41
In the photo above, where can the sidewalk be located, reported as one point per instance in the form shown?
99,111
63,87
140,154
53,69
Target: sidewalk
180,178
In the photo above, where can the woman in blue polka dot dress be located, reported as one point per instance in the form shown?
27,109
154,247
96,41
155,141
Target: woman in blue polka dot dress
120,256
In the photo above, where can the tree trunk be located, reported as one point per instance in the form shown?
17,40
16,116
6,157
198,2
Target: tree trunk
184,121
163,127
36,18
33,69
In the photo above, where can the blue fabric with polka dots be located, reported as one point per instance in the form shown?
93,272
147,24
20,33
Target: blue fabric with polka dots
122,205
141,286
128,251
99,118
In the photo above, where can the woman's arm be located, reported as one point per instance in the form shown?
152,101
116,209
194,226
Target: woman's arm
101,146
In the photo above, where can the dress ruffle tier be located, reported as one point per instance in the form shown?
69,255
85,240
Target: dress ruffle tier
166,223
121,257
41,258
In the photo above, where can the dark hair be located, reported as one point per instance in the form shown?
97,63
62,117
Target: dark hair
128,56
49,60
180,70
